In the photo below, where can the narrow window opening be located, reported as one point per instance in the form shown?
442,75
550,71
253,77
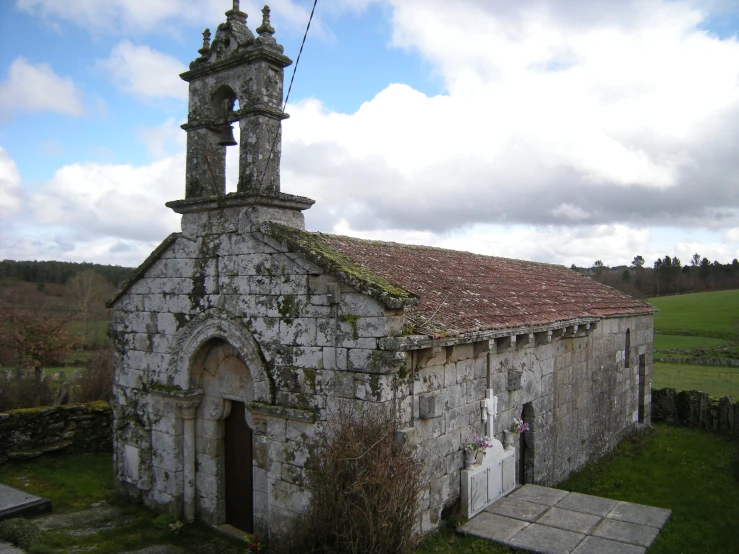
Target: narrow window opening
232,157
642,386
627,349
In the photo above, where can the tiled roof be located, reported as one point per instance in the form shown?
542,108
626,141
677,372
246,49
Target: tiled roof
460,292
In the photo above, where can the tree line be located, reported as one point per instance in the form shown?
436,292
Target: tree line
667,275
43,272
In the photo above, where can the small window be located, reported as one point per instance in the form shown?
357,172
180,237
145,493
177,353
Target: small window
627,349
642,387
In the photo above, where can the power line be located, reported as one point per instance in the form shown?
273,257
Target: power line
287,96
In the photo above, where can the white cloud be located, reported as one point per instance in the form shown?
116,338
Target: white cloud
162,140
555,113
36,88
145,72
141,17
571,212
10,191
90,201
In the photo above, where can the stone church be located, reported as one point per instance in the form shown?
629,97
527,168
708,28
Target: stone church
238,335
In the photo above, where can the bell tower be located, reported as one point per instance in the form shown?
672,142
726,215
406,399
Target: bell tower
238,78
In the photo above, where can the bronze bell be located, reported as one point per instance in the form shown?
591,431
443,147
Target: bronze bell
227,136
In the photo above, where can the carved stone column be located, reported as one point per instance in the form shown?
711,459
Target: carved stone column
188,410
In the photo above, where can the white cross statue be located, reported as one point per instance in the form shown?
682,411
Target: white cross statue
489,409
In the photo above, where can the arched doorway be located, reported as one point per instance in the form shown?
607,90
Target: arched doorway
224,438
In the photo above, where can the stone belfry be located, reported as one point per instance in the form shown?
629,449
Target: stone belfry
237,78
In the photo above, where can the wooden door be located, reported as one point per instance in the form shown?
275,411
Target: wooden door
239,474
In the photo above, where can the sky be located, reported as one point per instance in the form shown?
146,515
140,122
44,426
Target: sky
562,131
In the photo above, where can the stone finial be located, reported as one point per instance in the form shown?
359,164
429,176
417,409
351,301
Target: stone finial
235,14
206,42
265,28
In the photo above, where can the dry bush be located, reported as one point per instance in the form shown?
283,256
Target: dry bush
365,488
95,381
24,393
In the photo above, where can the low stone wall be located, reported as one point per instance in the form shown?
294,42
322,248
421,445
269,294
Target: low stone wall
692,408
32,432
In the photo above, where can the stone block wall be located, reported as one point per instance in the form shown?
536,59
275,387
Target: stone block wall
223,293
695,409
310,344
32,432
574,391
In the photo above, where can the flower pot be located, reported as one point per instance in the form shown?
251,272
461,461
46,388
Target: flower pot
469,459
509,438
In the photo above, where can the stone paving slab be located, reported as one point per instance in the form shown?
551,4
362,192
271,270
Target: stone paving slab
517,509
493,527
596,545
547,540
641,515
550,521
15,503
631,533
587,504
538,495
571,521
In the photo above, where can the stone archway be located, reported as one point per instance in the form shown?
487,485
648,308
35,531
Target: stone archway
218,358
223,436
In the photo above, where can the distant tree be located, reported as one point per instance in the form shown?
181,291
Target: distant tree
637,262
626,277
695,261
598,267
88,289
39,339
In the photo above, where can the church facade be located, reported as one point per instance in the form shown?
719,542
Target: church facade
240,335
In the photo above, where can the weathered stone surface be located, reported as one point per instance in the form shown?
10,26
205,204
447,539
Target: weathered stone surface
551,540
494,527
32,432
639,535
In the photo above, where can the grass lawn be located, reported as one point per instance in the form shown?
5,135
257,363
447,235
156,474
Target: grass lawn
705,314
685,470
715,380
74,482
668,342
70,482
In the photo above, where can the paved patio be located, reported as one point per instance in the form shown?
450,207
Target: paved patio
551,521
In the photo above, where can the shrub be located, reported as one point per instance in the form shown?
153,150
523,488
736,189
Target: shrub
20,532
24,393
95,381
365,488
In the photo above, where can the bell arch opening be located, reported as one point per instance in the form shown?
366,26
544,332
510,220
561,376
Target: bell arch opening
223,104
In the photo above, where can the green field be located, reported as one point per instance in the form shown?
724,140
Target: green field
706,323
715,380
703,314
669,342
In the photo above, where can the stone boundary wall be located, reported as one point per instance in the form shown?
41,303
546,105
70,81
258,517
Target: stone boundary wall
32,432
692,408
698,361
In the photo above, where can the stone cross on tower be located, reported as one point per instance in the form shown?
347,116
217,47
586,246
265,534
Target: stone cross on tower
489,410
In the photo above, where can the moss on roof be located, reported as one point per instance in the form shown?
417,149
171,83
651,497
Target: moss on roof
317,249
